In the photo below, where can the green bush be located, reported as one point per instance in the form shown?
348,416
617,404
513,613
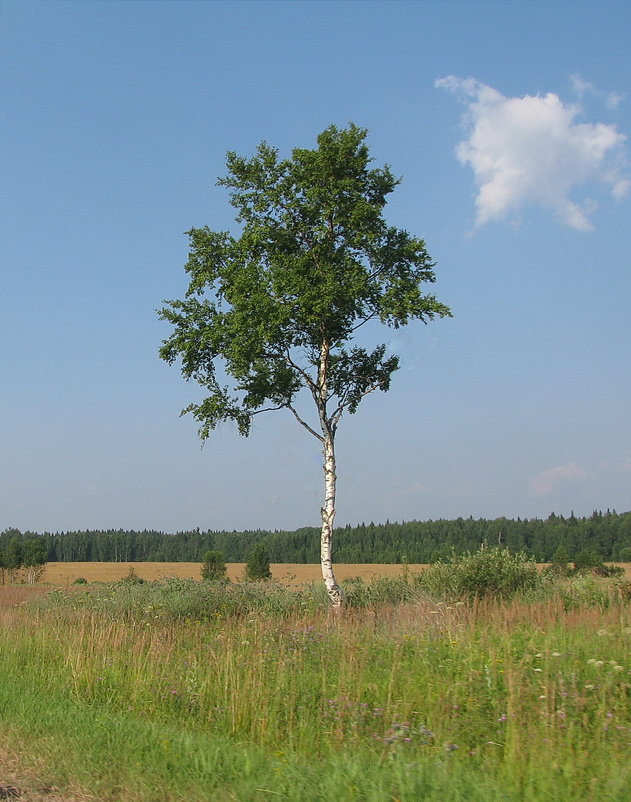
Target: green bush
584,591
258,565
560,562
586,561
175,598
213,565
485,573
80,580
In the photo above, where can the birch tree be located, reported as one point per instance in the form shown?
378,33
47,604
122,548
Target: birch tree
271,316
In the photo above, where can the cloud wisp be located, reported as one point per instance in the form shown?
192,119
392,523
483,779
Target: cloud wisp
582,88
532,151
546,482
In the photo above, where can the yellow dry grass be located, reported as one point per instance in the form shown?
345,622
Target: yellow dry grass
287,573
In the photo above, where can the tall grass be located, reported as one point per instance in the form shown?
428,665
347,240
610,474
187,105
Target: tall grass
130,693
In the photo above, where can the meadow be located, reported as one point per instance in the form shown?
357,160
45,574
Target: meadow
180,690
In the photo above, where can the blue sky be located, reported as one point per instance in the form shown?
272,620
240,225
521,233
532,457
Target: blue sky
509,122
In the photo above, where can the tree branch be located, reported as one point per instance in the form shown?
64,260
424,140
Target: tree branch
305,424
335,417
308,380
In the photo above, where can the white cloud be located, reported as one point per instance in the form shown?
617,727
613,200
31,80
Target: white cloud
548,481
530,150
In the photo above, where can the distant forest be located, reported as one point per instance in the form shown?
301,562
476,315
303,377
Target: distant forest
607,534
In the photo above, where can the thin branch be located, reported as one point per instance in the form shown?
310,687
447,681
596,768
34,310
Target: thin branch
335,417
308,380
305,424
371,316
267,409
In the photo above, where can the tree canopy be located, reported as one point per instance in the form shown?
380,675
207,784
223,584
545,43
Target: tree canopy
315,261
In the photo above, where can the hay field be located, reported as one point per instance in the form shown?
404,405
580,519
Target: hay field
287,573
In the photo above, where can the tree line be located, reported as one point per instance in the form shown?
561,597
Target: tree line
607,535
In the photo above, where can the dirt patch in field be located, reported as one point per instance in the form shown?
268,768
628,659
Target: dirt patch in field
18,783
14,595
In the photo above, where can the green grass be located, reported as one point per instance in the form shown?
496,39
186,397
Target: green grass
131,698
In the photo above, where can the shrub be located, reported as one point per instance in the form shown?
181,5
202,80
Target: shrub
560,562
584,591
213,565
492,572
589,562
174,598
132,578
258,565
586,561
80,580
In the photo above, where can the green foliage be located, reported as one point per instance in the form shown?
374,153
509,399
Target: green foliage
582,590
585,561
493,573
80,580
560,559
420,541
33,552
315,261
383,590
213,565
258,564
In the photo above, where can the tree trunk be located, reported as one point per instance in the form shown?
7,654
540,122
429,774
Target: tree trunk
334,591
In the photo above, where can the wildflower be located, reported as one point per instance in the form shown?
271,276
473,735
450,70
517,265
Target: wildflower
503,717
451,747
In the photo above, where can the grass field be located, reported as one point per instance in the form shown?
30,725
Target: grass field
290,573
114,695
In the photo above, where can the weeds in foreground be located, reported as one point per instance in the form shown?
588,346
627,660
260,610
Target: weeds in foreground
245,692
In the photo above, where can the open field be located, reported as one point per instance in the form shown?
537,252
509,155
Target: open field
289,573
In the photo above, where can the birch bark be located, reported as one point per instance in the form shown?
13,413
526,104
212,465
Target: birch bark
333,590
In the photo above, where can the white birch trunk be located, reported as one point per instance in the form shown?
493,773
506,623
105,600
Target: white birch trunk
333,590
328,516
